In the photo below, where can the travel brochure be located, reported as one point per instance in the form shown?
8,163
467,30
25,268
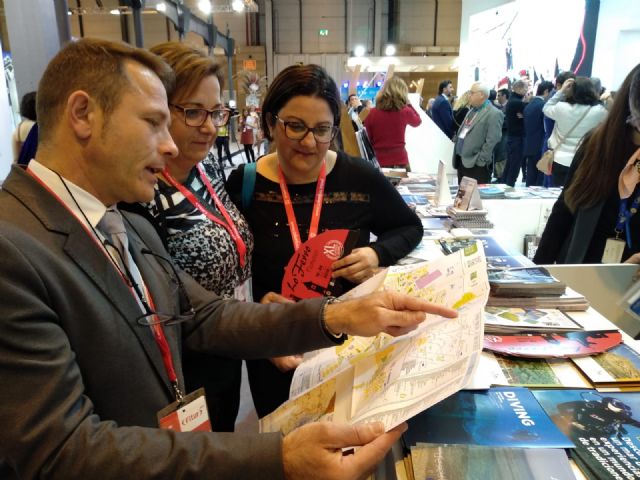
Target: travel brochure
524,282
474,462
552,344
498,417
619,366
570,301
531,372
509,319
605,429
391,379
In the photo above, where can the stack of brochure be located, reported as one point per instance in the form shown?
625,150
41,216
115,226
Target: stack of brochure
571,301
468,218
524,282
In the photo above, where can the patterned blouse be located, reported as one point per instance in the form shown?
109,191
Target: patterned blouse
203,248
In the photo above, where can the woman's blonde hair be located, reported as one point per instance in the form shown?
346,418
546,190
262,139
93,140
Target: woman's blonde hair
394,95
462,101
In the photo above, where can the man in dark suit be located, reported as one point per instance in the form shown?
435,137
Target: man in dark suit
94,317
534,133
514,118
441,111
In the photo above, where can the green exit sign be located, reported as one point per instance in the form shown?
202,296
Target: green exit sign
323,32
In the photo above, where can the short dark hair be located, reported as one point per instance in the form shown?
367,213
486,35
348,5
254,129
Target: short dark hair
504,91
443,84
28,106
97,67
299,80
542,86
492,95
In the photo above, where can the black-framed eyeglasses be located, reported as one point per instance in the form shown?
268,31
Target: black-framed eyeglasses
152,317
195,117
296,130
186,311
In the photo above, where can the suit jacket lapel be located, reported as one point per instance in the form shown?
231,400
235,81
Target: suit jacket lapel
479,117
161,286
91,259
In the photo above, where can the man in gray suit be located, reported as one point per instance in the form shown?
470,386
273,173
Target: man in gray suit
93,319
478,134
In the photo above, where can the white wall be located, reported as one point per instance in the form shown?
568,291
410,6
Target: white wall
617,48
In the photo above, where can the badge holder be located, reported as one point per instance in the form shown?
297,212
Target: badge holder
613,250
187,415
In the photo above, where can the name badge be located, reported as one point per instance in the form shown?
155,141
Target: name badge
190,415
244,291
463,131
613,250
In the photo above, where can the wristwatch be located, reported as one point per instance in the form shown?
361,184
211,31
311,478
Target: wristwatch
340,337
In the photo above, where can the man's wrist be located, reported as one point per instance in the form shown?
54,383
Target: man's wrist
327,324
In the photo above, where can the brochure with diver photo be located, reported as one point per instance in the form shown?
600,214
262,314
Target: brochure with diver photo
498,417
605,429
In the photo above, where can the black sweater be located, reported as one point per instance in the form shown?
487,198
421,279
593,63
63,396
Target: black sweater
515,124
356,196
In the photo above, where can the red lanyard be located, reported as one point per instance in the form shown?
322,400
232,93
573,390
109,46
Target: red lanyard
156,328
229,226
317,207
163,346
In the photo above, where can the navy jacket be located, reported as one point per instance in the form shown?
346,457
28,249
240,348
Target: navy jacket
442,115
533,128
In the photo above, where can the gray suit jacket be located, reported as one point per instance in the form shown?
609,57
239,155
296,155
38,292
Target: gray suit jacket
82,381
483,135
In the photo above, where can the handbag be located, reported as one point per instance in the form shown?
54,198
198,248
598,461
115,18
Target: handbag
545,164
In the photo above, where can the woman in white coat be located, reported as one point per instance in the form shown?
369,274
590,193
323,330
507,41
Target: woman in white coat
576,109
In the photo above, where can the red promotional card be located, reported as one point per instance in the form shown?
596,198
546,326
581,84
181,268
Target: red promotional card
308,273
552,345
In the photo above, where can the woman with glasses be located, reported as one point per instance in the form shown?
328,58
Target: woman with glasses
204,232
594,220
327,190
387,122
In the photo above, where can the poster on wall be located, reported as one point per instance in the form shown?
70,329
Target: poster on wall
508,43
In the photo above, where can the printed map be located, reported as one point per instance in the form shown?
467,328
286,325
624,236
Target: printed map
392,379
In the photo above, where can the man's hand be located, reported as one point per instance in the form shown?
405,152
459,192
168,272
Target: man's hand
273,297
389,312
314,451
356,267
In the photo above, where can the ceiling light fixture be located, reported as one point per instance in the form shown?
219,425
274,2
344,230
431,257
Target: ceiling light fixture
359,51
237,5
205,6
161,7
115,11
390,50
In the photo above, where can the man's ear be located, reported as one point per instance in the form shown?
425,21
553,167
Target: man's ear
81,113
